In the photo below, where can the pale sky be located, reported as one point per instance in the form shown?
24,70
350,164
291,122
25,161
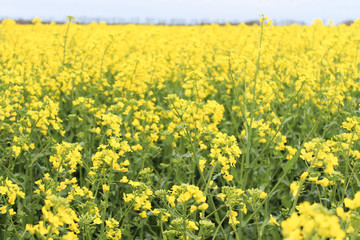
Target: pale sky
189,11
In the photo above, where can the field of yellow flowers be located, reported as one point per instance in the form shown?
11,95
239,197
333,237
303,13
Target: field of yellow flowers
179,132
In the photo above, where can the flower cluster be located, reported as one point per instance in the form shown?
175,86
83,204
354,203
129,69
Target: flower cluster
234,199
56,215
9,191
224,151
139,198
187,195
312,222
67,157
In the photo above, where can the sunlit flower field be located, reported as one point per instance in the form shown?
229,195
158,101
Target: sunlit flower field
179,132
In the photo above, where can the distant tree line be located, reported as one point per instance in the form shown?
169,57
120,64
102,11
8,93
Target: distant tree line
176,22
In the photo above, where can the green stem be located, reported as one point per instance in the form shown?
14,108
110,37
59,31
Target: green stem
65,40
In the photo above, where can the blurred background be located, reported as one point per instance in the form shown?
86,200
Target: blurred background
180,12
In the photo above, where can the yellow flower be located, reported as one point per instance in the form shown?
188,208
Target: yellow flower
184,197
143,214
155,211
273,221
228,177
304,176
17,150
96,130
345,216
171,200
294,188
323,182
232,217
128,197
124,179
70,236
3,209
165,217
203,206
97,221
263,195
221,196
193,208
192,225
353,204
202,164
30,228
105,188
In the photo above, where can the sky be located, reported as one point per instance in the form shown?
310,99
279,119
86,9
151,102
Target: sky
185,11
